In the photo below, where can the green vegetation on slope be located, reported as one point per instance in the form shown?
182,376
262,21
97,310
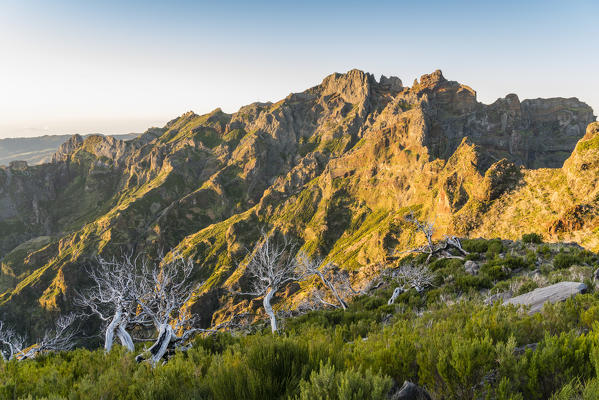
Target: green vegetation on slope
335,167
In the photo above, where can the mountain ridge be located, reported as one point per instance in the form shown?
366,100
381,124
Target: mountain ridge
335,167
38,150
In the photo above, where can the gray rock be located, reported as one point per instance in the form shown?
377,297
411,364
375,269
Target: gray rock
596,275
522,349
410,391
553,294
471,267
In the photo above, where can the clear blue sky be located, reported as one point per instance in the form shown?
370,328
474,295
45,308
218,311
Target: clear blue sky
121,66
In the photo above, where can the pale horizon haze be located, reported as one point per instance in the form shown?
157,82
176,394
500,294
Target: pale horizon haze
122,66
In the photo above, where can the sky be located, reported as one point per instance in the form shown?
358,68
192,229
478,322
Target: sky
70,66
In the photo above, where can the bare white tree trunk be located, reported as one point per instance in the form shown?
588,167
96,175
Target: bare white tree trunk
269,310
395,294
114,295
332,288
125,338
111,328
160,347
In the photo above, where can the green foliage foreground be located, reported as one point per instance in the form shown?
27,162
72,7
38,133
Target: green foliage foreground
463,350
445,339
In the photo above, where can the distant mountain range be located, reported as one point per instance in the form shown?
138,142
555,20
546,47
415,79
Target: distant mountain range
38,150
335,168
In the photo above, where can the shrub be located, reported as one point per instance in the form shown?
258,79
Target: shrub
451,263
329,384
531,258
526,286
475,245
464,282
494,246
495,272
544,251
532,238
565,260
266,369
500,268
556,361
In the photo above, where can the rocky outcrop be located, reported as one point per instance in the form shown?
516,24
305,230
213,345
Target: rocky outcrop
575,219
67,148
499,178
537,133
392,83
552,294
353,87
41,149
18,165
471,267
582,167
102,147
410,391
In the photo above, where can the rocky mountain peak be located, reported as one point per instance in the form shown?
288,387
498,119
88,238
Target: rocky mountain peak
181,119
353,86
437,91
392,83
67,148
513,101
432,80
592,131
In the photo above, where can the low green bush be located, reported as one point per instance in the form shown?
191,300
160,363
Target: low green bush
329,384
532,238
475,245
566,260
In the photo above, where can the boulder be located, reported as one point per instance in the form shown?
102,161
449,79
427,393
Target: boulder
471,267
553,294
410,391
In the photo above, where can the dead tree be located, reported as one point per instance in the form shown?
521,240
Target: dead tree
164,290
112,297
271,267
440,249
427,228
61,338
330,278
417,277
396,292
11,343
